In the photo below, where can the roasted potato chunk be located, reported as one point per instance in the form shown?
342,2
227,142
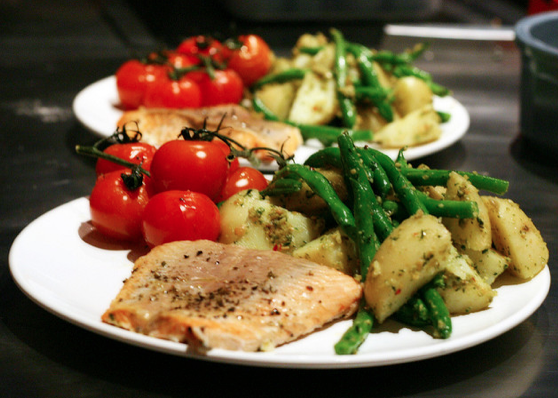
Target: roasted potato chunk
407,259
515,236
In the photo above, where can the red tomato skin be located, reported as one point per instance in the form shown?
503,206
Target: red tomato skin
131,83
133,79
235,163
180,215
198,166
180,60
168,93
225,88
135,152
253,60
204,46
242,179
116,211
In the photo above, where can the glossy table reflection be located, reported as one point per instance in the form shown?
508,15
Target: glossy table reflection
46,61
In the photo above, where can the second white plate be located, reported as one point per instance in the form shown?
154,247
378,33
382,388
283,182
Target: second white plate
96,107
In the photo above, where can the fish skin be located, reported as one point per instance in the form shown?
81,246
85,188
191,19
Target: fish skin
211,295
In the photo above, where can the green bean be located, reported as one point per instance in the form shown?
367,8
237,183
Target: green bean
353,338
340,71
280,77
437,309
325,157
330,156
450,208
282,186
381,183
414,312
444,116
322,187
365,206
405,70
403,58
373,91
406,192
395,211
327,135
311,50
425,177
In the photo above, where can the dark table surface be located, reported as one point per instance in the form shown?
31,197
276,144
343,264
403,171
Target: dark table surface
52,49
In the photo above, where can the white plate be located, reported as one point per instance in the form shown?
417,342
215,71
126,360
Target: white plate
64,266
96,107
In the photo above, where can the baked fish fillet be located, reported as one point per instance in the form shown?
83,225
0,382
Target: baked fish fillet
212,295
161,125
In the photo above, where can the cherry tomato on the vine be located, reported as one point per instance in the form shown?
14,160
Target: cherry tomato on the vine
225,87
117,211
134,152
199,166
204,46
241,179
253,60
130,83
133,79
169,93
234,164
180,215
180,60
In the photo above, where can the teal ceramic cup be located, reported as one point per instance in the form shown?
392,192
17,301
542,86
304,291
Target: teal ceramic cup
537,38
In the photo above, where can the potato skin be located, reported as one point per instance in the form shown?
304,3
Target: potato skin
333,249
250,221
465,291
470,233
411,93
410,257
515,236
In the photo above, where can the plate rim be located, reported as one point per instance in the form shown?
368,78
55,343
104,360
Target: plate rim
272,359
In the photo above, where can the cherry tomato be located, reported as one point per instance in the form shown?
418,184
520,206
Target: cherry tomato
199,166
225,88
135,152
253,60
234,164
241,179
180,215
179,60
130,83
117,211
205,46
132,80
168,93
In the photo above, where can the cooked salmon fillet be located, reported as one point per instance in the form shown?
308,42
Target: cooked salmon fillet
161,125
212,295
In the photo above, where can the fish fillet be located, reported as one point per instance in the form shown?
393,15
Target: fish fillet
250,130
212,295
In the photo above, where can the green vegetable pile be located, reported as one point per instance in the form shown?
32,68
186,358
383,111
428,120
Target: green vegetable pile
383,192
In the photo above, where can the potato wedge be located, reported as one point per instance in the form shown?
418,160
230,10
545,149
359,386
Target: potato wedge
488,263
410,94
278,97
250,221
471,233
333,249
410,257
315,101
418,127
514,235
306,201
466,291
